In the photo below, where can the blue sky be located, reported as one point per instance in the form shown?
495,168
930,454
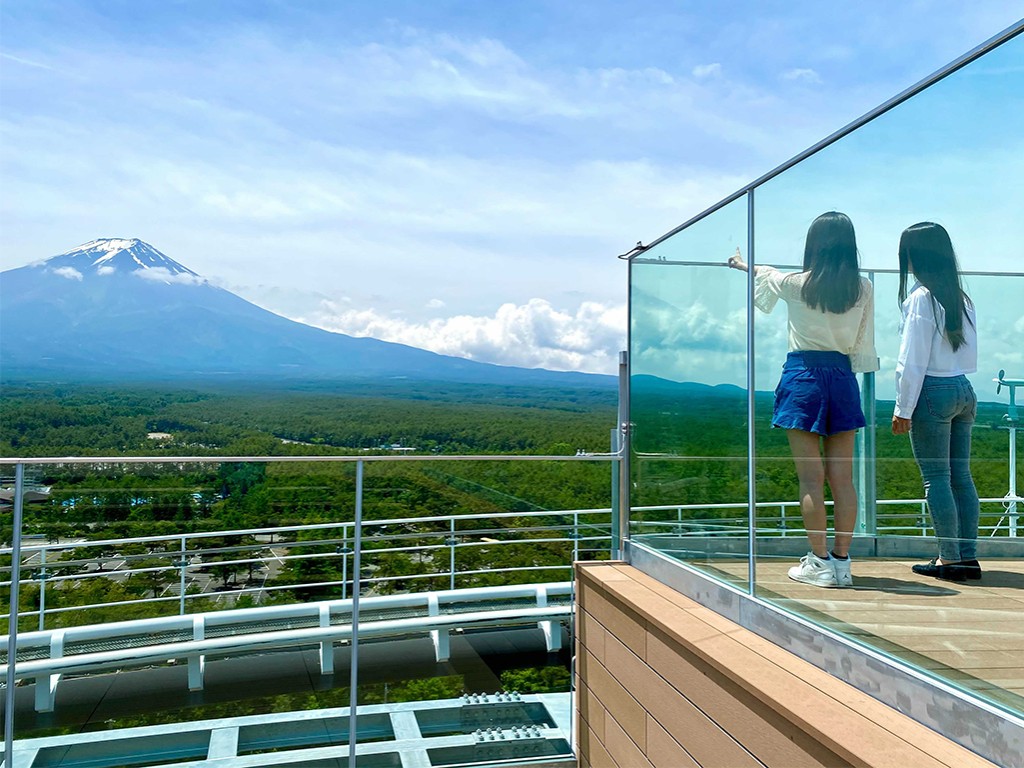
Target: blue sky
453,175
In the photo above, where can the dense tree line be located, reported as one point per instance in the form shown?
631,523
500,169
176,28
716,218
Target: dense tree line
689,450
55,421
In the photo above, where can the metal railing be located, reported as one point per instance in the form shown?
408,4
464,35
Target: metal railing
48,655
355,528
589,531
788,521
586,531
188,559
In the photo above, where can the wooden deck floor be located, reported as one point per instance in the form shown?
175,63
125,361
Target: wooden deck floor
971,634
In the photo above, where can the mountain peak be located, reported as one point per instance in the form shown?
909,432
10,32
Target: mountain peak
109,255
111,245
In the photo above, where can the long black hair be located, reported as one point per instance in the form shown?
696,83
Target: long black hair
927,251
830,258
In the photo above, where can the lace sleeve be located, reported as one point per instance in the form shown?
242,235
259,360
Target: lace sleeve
864,358
767,288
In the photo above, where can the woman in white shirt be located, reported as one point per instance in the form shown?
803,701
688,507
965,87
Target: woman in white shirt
934,400
817,401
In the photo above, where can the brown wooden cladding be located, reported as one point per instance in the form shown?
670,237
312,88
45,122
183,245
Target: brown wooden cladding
663,682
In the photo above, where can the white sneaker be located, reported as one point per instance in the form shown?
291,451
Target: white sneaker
842,570
814,570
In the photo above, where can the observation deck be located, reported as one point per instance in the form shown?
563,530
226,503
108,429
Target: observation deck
699,531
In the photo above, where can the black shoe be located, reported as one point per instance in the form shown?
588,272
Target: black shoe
944,572
970,568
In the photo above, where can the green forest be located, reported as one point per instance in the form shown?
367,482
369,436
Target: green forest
98,501
690,448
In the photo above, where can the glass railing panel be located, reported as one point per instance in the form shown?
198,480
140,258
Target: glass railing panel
689,397
481,564
947,155
962,632
192,556
117,557
951,154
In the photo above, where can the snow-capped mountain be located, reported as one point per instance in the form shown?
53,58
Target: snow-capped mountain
108,256
119,309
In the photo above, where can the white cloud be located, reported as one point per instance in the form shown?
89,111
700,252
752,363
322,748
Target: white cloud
434,304
26,62
457,167
69,272
164,275
802,75
105,270
530,335
707,70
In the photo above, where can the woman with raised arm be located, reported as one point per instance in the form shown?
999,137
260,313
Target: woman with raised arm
817,401
934,400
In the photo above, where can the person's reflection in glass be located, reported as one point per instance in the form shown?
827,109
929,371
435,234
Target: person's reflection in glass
934,400
817,401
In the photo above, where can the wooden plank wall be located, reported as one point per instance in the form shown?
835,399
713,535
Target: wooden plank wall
662,681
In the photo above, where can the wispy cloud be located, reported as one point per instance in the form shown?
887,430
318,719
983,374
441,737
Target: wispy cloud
26,62
68,272
707,70
802,75
163,275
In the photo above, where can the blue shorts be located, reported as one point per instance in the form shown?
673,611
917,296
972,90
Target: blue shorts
818,393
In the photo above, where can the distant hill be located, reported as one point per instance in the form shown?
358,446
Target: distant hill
647,384
120,310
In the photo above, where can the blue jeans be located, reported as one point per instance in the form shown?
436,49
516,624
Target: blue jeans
940,435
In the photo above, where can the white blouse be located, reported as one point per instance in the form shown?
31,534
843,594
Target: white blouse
925,350
851,332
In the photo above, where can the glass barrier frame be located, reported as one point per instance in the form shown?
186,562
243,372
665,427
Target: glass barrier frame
654,255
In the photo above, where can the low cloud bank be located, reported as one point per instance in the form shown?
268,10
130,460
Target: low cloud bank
531,335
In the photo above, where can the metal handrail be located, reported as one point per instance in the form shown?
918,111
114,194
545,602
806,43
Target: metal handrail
143,641
176,537
187,546
601,534
332,458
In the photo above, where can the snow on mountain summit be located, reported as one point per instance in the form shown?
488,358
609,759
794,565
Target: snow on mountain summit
108,256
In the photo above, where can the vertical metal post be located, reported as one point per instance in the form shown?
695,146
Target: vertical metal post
866,480
1011,494
867,512
344,562
625,436
751,457
451,552
614,543
12,630
42,589
1011,507
354,657
183,562
575,536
